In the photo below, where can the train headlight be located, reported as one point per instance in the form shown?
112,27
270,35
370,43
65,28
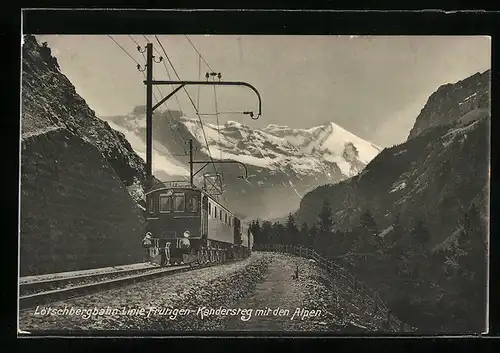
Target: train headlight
149,234
186,234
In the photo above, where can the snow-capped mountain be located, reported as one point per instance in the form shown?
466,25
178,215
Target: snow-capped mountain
327,149
282,163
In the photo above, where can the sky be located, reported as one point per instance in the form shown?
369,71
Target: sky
373,86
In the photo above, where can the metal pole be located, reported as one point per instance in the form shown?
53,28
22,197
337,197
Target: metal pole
149,115
191,177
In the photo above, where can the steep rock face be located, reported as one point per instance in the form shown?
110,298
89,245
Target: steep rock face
75,211
433,177
79,177
50,100
282,163
465,100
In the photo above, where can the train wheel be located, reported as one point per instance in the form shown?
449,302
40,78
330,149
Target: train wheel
205,256
200,256
167,258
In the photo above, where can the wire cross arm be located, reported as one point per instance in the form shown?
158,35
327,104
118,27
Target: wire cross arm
217,162
208,83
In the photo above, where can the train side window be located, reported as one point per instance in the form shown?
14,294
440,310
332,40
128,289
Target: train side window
165,203
225,215
209,209
179,202
192,205
229,220
151,204
220,215
215,212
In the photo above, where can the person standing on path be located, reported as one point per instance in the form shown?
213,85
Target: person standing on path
146,244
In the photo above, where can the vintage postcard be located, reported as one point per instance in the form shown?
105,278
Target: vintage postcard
239,183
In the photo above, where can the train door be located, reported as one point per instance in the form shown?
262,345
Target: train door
204,216
237,230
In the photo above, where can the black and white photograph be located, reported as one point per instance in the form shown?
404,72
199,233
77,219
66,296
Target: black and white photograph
333,184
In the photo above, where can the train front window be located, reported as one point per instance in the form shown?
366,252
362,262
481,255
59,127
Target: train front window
192,204
151,205
179,202
165,203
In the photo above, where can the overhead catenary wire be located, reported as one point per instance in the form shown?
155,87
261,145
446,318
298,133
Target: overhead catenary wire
201,56
124,50
191,100
215,99
199,87
168,74
144,75
134,40
217,116
192,103
182,142
220,113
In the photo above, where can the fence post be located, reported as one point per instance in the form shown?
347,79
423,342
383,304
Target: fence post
375,304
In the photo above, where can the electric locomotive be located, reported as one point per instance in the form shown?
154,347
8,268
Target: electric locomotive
189,226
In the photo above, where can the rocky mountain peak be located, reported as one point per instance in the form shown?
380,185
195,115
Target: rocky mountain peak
464,100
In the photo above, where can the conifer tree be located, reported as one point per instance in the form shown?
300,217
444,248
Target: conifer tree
368,223
313,236
304,234
420,232
325,221
266,231
292,232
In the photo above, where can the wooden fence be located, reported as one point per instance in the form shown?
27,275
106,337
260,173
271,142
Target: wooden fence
366,298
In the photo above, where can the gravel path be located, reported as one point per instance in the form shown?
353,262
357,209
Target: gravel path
282,303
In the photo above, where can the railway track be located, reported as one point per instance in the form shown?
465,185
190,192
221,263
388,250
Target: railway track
47,291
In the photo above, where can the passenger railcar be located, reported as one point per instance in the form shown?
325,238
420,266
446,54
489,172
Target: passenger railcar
187,225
